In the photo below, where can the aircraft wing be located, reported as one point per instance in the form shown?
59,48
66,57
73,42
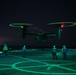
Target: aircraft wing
31,33
44,34
50,34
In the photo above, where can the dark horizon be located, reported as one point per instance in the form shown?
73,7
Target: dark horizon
38,13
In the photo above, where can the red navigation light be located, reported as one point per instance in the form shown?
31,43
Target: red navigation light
62,25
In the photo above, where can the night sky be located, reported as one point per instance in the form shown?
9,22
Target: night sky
39,13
